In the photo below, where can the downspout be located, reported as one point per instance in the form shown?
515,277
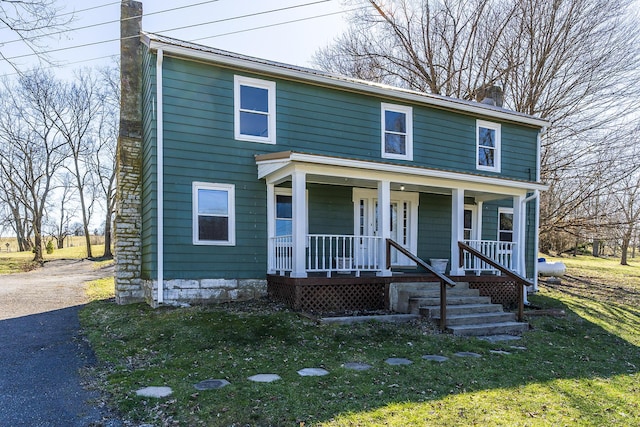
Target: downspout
160,175
523,231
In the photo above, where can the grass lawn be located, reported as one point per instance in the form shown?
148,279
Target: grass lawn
578,369
15,262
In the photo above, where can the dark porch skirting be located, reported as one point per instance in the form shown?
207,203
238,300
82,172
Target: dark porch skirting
367,293
330,294
502,289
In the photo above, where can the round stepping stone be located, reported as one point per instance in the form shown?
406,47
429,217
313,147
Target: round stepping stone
264,378
499,352
435,358
312,372
357,366
153,391
467,354
211,384
516,347
395,361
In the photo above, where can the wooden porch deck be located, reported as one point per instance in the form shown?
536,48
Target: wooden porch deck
346,292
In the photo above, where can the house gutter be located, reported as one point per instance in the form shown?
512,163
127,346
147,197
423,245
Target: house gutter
160,174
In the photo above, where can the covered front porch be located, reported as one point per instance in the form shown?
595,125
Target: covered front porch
426,211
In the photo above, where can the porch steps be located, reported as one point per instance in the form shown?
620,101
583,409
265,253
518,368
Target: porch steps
468,313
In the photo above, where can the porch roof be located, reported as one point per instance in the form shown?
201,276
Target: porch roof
278,167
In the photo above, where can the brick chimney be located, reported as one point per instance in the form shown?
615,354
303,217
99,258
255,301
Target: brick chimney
490,95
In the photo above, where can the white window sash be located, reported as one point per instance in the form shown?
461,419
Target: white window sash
231,215
408,114
271,105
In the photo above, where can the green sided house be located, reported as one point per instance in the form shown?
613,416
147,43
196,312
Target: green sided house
238,175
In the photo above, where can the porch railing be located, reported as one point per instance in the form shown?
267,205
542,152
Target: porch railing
500,252
328,253
444,280
521,282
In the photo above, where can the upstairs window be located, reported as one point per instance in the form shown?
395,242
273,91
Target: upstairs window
213,214
488,146
255,110
397,132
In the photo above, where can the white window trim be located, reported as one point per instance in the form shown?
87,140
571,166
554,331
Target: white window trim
287,191
230,189
271,89
408,112
505,211
498,156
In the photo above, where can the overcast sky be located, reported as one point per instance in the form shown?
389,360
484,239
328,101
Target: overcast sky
268,33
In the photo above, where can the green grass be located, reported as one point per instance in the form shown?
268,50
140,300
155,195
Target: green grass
17,262
580,369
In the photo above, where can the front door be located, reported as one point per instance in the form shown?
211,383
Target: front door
403,224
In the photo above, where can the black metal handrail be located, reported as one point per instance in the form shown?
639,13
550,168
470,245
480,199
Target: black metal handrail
515,276
444,280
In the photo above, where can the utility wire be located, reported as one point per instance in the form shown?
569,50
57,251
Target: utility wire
193,26
106,22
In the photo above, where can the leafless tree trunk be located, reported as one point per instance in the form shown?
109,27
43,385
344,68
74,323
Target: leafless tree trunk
76,114
572,62
30,152
103,165
628,201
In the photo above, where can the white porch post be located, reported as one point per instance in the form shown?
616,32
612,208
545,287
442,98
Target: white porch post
271,228
457,229
478,223
384,224
518,235
298,190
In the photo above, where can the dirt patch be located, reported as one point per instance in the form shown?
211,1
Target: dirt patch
58,284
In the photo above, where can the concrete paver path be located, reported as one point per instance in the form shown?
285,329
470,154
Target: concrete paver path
41,353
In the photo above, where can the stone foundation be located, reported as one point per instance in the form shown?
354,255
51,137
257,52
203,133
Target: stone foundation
204,291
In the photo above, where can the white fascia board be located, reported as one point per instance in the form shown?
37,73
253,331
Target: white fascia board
360,169
346,84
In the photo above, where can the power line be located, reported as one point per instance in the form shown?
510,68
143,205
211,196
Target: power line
243,16
275,25
195,25
73,13
115,21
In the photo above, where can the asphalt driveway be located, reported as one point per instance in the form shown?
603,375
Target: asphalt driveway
42,355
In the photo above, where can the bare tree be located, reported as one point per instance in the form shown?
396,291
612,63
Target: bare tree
65,207
75,115
627,197
31,152
32,21
103,163
572,62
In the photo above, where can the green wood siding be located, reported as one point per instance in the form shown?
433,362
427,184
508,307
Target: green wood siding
434,226
330,209
149,165
199,145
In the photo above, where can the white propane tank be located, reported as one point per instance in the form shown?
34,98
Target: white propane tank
551,269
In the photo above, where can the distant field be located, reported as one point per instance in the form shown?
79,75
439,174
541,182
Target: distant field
70,242
12,261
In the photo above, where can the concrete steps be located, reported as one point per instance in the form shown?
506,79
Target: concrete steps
468,313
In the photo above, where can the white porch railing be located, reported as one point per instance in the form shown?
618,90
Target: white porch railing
328,253
347,253
501,252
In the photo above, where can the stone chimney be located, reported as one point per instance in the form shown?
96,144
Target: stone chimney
490,95
128,220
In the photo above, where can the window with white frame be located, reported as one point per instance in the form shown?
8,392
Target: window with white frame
505,224
397,132
488,139
255,110
213,214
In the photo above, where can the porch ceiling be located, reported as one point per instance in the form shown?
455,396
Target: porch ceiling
277,168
